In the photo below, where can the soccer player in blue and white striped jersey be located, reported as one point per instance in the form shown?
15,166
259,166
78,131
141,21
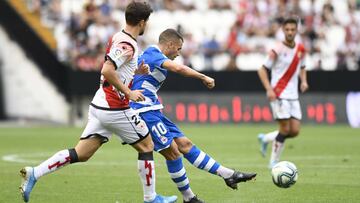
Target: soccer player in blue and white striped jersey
167,137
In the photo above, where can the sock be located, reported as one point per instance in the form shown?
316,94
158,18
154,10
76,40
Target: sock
203,161
280,138
277,148
178,175
269,137
146,170
57,161
225,172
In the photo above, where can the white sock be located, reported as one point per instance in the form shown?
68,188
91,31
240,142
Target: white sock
147,175
276,151
224,172
269,137
57,161
187,194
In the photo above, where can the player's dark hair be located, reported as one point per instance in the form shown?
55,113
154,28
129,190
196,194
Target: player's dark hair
136,12
169,35
290,20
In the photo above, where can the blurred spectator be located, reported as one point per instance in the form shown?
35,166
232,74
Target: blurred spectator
210,48
329,29
189,49
219,4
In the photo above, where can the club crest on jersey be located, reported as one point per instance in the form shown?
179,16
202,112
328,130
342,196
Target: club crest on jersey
163,139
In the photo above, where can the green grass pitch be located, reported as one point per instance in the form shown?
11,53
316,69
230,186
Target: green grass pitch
327,157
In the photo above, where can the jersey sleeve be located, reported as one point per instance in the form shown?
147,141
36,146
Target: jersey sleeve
158,59
270,59
120,53
152,57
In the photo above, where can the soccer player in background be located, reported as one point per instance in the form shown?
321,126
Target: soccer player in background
109,111
286,61
167,137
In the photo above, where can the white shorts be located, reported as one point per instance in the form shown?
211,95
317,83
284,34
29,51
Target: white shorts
286,109
126,124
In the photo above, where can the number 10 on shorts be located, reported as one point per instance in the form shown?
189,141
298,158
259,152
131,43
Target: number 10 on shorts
160,131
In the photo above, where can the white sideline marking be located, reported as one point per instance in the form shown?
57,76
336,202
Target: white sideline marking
36,158
22,158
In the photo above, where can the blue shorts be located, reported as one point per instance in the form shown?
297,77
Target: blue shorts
162,130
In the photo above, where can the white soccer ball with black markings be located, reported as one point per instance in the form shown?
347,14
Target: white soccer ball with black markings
284,174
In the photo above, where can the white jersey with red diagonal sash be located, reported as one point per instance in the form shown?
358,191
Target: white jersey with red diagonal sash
122,51
109,112
285,64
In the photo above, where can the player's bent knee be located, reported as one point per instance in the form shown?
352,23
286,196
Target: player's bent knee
82,157
170,154
284,131
294,133
86,148
145,145
184,145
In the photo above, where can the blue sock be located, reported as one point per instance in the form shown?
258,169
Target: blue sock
178,173
201,160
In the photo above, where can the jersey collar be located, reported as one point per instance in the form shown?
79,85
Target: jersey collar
129,35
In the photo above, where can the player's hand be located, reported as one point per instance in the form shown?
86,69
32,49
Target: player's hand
209,82
136,96
143,69
271,94
303,87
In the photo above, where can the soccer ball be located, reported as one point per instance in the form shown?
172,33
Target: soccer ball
284,174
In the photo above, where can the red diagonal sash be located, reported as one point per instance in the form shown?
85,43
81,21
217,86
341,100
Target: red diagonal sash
284,80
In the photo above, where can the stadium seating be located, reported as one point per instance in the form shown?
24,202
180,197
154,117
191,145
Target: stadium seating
28,94
330,18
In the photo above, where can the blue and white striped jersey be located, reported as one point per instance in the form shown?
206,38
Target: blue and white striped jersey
152,82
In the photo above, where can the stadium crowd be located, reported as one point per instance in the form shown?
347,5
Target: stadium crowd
219,34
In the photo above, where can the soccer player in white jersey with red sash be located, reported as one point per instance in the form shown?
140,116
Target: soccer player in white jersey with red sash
109,111
286,61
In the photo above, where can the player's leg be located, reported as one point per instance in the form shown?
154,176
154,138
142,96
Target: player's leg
295,118
177,173
281,112
205,162
146,168
82,152
269,137
279,143
288,128
264,140
91,140
132,129
163,143
294,127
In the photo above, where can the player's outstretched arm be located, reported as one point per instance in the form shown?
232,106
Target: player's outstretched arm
263,75
108,71
303,77
189,72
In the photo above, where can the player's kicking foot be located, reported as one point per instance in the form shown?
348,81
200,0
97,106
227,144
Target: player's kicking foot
163,199
28,182
238,177
263,144
195,199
